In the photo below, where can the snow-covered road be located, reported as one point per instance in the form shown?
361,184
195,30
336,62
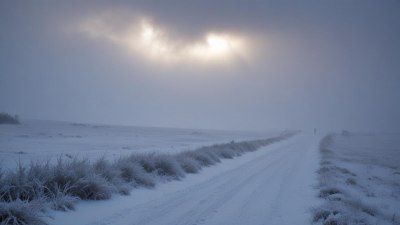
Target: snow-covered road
273,185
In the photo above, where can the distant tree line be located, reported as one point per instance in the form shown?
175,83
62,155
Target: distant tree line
6,118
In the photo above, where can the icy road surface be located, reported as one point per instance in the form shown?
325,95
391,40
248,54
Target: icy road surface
273,185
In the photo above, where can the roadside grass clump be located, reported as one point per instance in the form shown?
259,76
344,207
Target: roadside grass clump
330,192
167,166
188,164
79,179
145,161
327,217
202,158
20,212
161,165
324,147
324,170
61,200
345,171
92,188
133,173
351,181
333,214
224,152
25,184
211,153
103,167
362,207
27,191
112,175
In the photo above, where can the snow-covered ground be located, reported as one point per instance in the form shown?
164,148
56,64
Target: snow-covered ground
273,185
35,140
360,179
355,176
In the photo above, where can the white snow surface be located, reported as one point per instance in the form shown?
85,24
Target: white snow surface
368,178
273,185
36,140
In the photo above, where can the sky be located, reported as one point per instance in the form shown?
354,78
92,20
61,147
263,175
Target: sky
232,65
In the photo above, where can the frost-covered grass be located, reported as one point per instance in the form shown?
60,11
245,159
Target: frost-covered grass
21,213
59,185
359,180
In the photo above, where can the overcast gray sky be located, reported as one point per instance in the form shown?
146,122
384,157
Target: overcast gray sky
203,64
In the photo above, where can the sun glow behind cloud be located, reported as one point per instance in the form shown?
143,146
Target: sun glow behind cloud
146,39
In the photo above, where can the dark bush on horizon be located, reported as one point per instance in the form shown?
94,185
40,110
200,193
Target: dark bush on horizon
6,118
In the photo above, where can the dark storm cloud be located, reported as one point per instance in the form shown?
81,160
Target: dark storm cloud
328,64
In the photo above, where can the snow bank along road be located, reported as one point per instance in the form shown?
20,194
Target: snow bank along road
273,185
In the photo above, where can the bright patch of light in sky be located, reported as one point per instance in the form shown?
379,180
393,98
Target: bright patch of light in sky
146,39
216,46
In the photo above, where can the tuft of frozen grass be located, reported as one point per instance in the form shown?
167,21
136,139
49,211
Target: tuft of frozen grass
61,200
20,213
202,158
133,173
351,181
328,217
21,185
326,192
161,165
113,175
58,186
106,170
92,187
188,164
167,166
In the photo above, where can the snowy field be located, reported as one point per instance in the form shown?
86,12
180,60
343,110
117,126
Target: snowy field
36,140
360,179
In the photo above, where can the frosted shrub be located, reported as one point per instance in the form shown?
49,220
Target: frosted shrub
112,175
68,172
325,144
211,152
167,166
145,161
20,213
225,152
132,172
61,200
201,157
19,185
106,170
161,165
92,187
188,164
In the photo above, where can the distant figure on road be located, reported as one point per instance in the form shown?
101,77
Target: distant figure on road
315,130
